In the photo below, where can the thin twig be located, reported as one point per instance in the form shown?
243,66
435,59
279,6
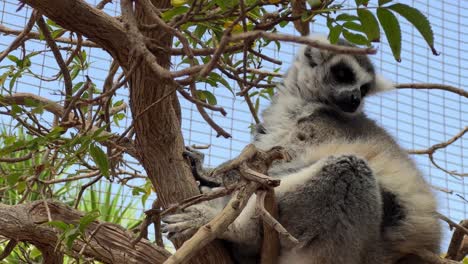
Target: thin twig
431,150
21,36
207,118
73,178
18,159
102,4
432,86
61,63
8,249
452,224
215,227
252,35
271,221
37,35
190,98
83,188
199,198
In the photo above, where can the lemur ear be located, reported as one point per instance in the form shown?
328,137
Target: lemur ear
313,56
382,84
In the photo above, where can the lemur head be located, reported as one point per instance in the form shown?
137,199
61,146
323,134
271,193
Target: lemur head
338,80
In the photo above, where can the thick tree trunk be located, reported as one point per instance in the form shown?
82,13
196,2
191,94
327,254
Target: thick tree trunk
159,137
159,140
109,243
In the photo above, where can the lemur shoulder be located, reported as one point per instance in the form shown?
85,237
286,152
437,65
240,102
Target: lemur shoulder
350,194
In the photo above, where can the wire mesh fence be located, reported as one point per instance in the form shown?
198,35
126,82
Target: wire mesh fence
417,118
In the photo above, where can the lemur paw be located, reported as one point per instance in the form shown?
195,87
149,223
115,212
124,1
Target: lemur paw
185,223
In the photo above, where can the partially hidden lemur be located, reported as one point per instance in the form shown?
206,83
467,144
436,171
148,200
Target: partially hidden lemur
350,194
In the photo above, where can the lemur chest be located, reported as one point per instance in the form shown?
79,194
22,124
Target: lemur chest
319,127
302,127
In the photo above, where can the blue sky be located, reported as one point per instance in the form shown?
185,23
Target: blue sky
417,119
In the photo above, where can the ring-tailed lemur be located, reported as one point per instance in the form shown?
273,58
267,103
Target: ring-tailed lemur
350,194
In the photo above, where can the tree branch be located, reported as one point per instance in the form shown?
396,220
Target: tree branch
84,19
112,244
432,86
22,36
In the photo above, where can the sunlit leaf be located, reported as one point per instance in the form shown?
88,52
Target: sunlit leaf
88,219
353,26
335,33
392,30
419,21
169,14
383,2
355,38
100,158
346,17
370,25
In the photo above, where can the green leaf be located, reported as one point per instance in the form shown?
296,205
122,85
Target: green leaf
199,31
419,21
77,86
56,33
15,110
210,97
70,237
30,102
88,219
58,224
392,31
13,58
334,34
169,14
346,17
100,158
353,26
362,2
13,79
370,25
12,178
383,2
355,38
52,23
137,191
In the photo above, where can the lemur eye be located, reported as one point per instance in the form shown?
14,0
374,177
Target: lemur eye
365,89
342,73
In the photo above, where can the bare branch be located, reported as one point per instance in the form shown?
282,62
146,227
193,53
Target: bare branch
272,222
456,241
432,86
18,159
102,4
25,222
431,150
36,35
73,178
207,118
8,249
61,63
198,102
215,227
21,36
252,35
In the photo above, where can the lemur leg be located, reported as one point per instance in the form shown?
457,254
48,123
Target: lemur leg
334,209
321,205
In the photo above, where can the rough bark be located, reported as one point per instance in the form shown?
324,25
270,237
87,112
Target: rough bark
158,132
110,244
80,17
159,137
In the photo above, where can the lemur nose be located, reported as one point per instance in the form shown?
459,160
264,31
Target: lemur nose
355,100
